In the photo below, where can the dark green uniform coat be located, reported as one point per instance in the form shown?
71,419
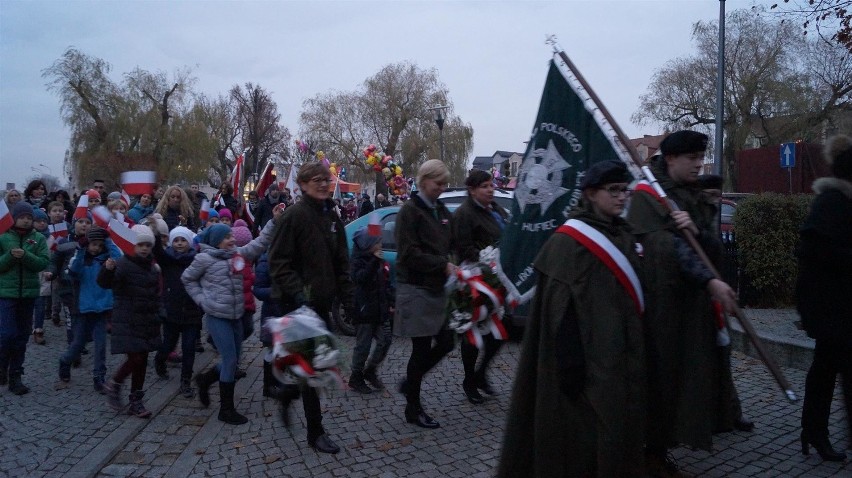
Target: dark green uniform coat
680,328
583,340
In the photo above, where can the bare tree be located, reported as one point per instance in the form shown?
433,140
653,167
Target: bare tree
831,19
262,134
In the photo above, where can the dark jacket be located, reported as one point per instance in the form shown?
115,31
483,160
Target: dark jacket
475,228
263,213
135,284
423,244
308,258
366,208
373,293
231,203
172,220
825,264
180,308
262,289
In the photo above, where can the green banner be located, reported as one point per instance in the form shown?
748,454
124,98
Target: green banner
565,141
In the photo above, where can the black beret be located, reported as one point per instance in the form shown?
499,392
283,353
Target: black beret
605,172
710,181
684,142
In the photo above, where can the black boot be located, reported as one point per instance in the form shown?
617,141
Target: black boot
270,383
186,389
137,408
285,395
227,412
823,447
160,366
16,386
323,444
356,383
472,393
372,378
204,381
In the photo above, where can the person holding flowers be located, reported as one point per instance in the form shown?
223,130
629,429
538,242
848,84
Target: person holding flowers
477,224
578,401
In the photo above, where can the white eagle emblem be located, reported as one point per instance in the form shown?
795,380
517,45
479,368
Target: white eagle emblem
540,178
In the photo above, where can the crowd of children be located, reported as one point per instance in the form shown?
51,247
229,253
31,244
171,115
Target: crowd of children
156,293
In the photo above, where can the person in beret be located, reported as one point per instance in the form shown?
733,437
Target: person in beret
681,290
578,401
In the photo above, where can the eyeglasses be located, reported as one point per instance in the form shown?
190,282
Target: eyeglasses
616,191
319,180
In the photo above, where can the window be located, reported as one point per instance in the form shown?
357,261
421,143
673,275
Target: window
388,226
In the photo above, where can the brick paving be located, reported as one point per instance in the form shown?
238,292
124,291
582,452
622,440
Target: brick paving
72,432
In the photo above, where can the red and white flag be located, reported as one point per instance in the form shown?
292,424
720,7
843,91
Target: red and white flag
122,236
82,207
101,216
237,175
6,221
125,197
136,183
374,228
56,231
204,212
265,180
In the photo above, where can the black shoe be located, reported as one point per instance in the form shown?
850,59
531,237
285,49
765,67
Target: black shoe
160,368
743,424
323,444
403,387
420,418
482,384
239,374
472,393
373,379
360,387
823,447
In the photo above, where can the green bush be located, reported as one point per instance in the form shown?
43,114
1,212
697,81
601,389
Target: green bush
767,232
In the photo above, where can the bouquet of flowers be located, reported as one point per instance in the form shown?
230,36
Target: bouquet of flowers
476,305
304,351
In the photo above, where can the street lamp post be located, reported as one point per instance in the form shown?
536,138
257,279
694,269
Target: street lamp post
438,112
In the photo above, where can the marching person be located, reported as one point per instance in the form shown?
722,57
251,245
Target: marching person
309,265
477,224
823,296
577,405
680,321
423,236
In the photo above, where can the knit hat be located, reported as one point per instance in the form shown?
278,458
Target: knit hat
213,213
225,212
93,194
838,155
214,234
605,172
39,215
143,234
113,195
97,234
183,232
272,187
363,240
684,142
241,233
87,217
22,208
157,223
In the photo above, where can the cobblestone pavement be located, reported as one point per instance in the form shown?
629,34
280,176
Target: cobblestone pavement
73,433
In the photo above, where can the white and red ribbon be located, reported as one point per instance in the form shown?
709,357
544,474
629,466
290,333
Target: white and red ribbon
614,259
137,183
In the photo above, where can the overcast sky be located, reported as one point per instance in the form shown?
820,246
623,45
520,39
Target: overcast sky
490,55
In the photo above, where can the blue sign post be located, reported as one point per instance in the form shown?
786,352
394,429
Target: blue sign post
788,161
788,155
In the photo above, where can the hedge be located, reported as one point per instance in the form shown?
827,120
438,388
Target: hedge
767,233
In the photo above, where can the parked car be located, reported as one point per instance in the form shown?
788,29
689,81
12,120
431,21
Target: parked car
727,222
458,195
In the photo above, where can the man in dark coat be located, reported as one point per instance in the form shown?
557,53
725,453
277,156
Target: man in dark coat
366,205
680,325
272,198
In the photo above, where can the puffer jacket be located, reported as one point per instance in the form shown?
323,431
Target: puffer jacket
135,284
84,269
139,212
19,277
180,308
214,280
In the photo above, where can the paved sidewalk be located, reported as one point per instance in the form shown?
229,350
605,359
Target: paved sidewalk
73,433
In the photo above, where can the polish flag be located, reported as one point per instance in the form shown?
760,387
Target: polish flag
6,221
101,216
125,197
237,175
266,179
82,207
122,236
374,228
136,183
204,213
56,231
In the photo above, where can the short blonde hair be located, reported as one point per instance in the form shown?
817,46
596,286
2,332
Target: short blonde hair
433,169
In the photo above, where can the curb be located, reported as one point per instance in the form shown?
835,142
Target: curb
102,455
790,353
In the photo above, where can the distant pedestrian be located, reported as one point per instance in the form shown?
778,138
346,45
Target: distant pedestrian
23,254
823,296
135,283
366,205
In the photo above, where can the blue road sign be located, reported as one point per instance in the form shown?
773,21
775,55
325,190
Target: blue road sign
788,155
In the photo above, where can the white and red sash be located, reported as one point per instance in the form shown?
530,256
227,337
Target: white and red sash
605,250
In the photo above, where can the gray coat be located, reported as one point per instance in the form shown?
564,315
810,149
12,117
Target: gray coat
213,282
